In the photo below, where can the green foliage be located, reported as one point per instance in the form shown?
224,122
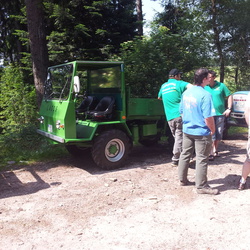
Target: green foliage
84,30
237,130
26,145
232,37
75,29
17,100
222,29
19,144
149,60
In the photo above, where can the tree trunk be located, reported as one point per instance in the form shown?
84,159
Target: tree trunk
139,17
236,78
38,44
217,40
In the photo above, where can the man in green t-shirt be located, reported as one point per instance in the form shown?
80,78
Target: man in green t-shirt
170,93
220,93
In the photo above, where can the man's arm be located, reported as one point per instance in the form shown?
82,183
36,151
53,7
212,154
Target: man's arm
247,116
247,109
229,106
210,123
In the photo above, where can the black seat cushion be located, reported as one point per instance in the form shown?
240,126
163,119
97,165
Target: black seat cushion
89,103
104,108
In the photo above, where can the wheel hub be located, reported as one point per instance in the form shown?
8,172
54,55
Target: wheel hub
114,150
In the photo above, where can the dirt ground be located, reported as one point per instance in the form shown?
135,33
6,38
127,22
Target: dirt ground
71,204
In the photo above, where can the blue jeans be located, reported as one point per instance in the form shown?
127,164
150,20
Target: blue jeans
219,122
175,126
202,146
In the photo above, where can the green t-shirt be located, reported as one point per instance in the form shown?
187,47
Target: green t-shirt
170,93
219,92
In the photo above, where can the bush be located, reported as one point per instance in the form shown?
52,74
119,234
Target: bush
17,100
19,140
25,144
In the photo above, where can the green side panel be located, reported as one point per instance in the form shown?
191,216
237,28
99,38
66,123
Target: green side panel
149,129
144,108
62,113
86,130
135,133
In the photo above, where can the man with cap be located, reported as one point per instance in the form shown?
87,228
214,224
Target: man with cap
170,93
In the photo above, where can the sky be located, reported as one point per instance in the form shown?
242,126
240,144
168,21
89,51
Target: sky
149,8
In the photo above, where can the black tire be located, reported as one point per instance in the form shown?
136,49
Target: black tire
111,149
77,151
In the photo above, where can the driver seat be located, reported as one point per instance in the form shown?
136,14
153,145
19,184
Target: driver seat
104,109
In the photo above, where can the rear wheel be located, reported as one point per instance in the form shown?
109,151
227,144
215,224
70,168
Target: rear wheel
111,148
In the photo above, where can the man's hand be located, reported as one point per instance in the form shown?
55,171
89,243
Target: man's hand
227,112
210,123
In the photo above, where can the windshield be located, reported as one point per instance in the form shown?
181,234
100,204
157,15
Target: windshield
57,85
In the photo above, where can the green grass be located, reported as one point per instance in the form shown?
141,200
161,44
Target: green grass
26,147
237,130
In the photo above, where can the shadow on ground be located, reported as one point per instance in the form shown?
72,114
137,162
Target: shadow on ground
11,185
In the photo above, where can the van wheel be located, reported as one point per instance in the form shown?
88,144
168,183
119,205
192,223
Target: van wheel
111,149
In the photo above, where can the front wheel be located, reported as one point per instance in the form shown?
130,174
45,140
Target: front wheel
111,149
77,151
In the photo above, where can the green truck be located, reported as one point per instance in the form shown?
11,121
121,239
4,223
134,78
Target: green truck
88,107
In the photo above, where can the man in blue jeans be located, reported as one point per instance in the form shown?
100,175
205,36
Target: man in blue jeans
170,92
220,93
198,127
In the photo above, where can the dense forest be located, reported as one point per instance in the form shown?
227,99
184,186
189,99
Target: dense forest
188,34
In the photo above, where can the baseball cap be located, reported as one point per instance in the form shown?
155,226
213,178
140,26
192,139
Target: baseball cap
174,72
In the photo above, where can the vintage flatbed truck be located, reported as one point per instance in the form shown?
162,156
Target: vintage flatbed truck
88,107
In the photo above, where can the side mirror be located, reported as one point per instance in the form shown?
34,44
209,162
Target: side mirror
76,84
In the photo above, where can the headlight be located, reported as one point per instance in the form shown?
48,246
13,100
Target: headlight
41,119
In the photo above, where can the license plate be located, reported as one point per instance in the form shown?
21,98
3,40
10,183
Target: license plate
50,128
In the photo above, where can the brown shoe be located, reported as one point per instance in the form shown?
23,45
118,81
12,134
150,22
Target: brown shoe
187,183
242,186
207,190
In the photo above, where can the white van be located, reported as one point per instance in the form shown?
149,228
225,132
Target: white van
237,117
